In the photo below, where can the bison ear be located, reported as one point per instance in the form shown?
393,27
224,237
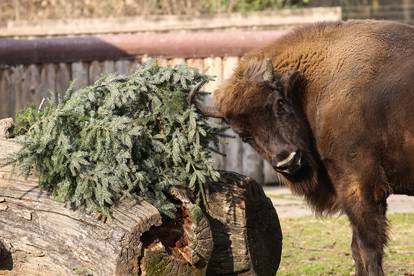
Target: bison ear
259,71
291,83
268,74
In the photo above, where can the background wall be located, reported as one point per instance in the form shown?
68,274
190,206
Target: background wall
264,20
399,10
63,9
35,10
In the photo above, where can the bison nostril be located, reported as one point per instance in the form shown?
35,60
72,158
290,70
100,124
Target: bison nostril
290,164
282,155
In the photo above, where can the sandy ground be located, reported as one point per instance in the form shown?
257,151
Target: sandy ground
288,205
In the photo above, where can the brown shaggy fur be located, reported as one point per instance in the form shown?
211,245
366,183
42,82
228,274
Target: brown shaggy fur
356,98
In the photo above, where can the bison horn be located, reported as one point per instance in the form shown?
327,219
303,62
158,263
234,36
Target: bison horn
205,110
268,74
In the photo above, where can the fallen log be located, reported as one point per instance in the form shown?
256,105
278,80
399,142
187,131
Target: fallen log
239,234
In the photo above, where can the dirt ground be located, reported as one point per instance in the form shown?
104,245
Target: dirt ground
289,206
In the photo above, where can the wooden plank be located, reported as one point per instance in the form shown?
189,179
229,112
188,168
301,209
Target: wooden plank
47,80
162,61
214,67
95,71
233,148
252,164
143,58
196,63
135,63
63,78
270,175
7,96
108,67
122,66
17,87
176,61
80,74
31,88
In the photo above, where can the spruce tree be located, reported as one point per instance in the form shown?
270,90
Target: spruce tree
124,136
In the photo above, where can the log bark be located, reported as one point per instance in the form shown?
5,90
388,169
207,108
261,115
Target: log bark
237,234
41,236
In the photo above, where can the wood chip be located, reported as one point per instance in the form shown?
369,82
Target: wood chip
5,126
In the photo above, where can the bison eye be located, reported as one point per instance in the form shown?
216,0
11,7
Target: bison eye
280,106
247,139
280,103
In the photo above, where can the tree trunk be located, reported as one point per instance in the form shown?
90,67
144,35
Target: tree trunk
238,234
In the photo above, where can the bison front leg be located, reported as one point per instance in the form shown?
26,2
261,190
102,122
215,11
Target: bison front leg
369,225
356,255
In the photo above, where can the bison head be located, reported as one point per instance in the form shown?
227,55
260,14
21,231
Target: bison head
262,107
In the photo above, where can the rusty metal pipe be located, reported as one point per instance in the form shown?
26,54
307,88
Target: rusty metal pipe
113,47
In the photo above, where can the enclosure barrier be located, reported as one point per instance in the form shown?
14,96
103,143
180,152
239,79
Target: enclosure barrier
31,69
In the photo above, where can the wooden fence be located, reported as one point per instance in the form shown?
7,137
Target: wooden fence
29,82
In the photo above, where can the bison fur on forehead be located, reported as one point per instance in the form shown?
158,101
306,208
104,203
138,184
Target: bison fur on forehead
248,89
336,120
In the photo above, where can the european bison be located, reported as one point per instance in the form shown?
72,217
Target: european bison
331,107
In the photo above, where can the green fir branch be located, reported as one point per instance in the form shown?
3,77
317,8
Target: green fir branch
122,137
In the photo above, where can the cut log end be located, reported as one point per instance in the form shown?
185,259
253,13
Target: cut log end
245,228
180,245
5,127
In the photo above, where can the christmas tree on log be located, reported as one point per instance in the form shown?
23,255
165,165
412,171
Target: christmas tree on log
133,149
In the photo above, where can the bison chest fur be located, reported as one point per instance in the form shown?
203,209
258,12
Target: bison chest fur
365,130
